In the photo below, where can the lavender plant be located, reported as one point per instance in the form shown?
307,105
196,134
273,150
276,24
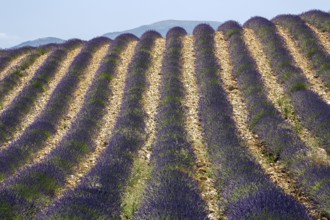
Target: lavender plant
240,180
264,120
171,192
313,111
12,116
45,125
37,184
318,18
99,194
9,55
308,44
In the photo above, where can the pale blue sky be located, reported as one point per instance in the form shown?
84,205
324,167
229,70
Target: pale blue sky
22,20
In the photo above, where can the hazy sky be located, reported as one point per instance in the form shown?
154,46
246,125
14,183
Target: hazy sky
22,20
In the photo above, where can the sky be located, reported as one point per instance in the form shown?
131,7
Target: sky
22,20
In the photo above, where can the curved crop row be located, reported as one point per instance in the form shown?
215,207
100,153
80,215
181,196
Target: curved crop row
12,116
13,78
171,192
9,55
247,192
37,184
308,43
45,125
319,19
308,105
313,111
99,193
269,125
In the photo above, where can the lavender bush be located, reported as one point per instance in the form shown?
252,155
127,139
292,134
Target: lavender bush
37,184
99,193
318,18
9,55
171,192
270,127
240,180
308,44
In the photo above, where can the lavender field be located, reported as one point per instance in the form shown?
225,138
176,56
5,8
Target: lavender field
232,123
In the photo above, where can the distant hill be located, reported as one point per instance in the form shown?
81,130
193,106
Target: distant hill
163,26
40,42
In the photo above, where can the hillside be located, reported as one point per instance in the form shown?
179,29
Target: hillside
39,42
163,27
229,122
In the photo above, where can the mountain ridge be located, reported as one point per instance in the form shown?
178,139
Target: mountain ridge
161,26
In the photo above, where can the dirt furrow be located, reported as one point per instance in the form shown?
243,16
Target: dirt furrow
141,170
280,100
204,172
14,63
25,79
275,171
42,101
323,37
305,65
109,120
77,102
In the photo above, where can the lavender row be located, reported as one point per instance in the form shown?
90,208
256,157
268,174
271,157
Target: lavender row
308,44
99,194
36,185
264,120
34,137
12,116
246,191
8,56
307,104
171,192
9,82
313,111
318,18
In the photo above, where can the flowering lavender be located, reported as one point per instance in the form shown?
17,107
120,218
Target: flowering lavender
308,43
171,192
12,116
318,18
99,194
9,55
307,104
240,179
36,185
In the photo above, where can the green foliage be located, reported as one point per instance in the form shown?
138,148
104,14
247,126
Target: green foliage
7,212
38,85
232,32
106,76
18,72
33,193
243,68
243,191
298,86
257,117
286,107
98,101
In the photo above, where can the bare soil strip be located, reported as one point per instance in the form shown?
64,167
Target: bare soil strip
204,173
14,63
42,101
323,37
141,170
109,120
68,119
316,84
276,171
29,73
280,100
